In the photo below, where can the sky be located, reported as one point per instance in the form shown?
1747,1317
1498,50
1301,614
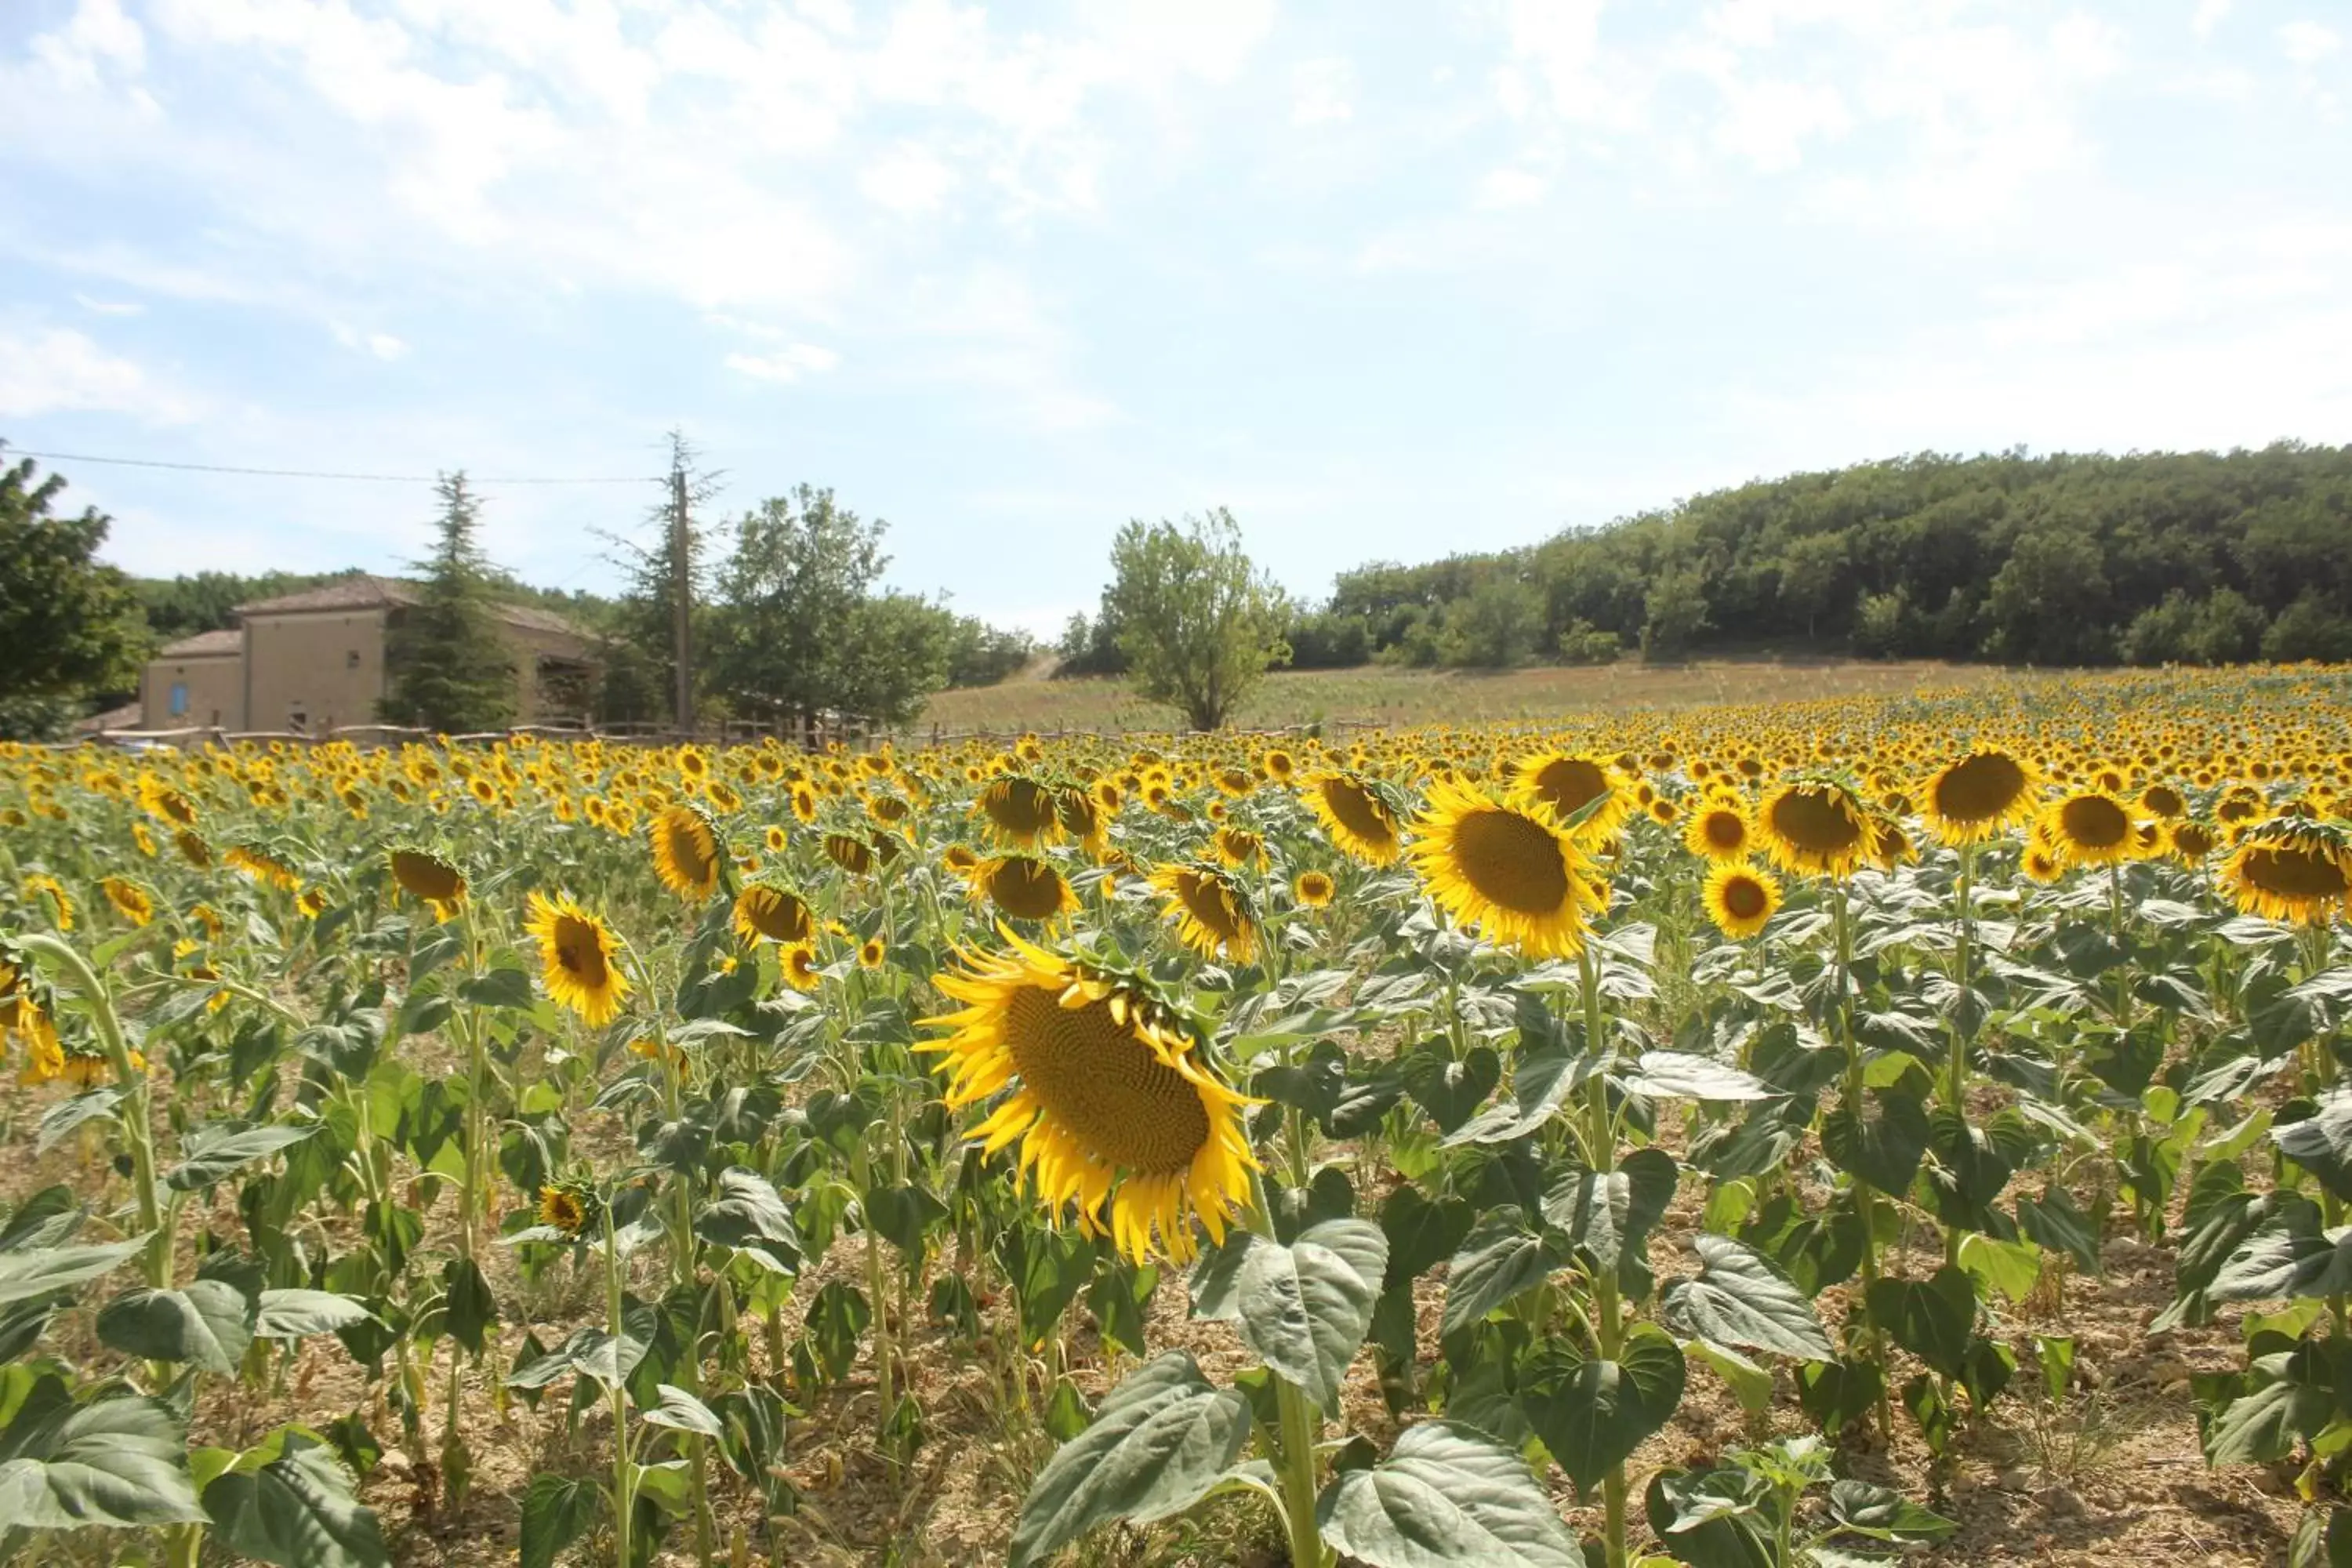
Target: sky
1389,278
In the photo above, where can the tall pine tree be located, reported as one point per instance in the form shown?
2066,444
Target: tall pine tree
451,669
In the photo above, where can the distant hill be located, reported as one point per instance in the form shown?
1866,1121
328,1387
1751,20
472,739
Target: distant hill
2149,558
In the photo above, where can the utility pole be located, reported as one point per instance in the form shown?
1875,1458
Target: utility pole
681,545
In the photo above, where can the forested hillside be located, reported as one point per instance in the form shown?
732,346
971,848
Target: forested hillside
2152,558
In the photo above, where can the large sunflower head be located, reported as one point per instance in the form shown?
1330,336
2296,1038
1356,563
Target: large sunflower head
848,851
1024,887
432,880
1741,899
769,911
1212,912
578,958
1019,810
1815,825
1570,782
1719,829
1358,814
1970,800
2190,841
2089,827
1102,1087
1509,870
2291,869
685,851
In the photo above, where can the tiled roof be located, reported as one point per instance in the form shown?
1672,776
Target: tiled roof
206,644
366,592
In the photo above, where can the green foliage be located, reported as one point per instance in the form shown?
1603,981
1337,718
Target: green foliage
1496,627
1200,627
2153,558
450,668
799,630
182,606
70,627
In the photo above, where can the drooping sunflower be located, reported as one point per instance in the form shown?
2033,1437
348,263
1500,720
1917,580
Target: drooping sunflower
263,866
851,853
2291,869
1973,799
569,1206
1211,912
772,912
1240,846
193,848
1890,843
1568,783
1313,890
1721,829
1506,870
1815,825
159,799
130,900
1741,899
1019,810
49,894
1024,887
685,851
577,959
432,880
1103,1089
1357,819
2089,827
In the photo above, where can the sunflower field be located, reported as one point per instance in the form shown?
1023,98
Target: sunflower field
1745,1137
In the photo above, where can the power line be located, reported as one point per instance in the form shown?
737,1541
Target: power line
315,474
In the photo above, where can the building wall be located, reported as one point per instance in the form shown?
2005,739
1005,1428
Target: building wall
216,692
313,669
534,705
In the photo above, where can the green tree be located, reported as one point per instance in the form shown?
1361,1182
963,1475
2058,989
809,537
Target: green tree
1674,613
1495,626
637,656
450,668
799,632
2309,629
1199,625
70,627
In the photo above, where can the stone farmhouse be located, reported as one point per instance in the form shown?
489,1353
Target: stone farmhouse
312,661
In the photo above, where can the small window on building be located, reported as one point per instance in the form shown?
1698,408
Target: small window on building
298,719
179,698
352,659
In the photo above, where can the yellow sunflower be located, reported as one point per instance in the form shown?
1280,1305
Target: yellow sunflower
1313,890
2190,841
1211,910
798,962
1357,819
577,959
2041,863
1024,887
130,900
1976,797
193,848
2291,869
50,894
1569,782
1509,872
262,865
1720,829
430,879
1741,899
685,851
568,1206
766,910
1020,811
1816,826
1102,1088
851,853
2089,827
872,952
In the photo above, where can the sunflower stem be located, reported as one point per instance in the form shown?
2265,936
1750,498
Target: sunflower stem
624,1473
1865,1201
136,1131
1600,1146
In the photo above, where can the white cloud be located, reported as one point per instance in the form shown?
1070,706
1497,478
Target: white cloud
97,33
1322,91
1509,188
909,180
55,370
786,365
2308,43
2210,13
383,346
107,306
